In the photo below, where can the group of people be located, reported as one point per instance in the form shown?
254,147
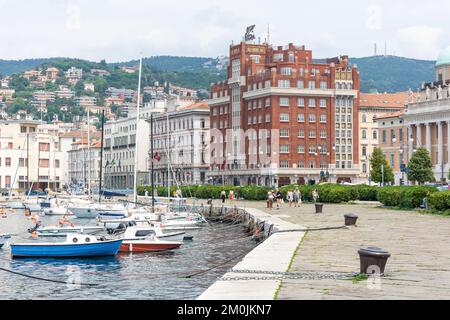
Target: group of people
231,196
292,197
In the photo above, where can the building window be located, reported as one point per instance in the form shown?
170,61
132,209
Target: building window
323,103
8,162
301,102
284,117
312,134
267,118
286,71
284,164
323,85
300,118
267,102
312,85
312,118
301,164
312,103
392,160
375,135
284,133
312,149
364,151
364,134
301,149
284,83
301,133
312,164
284,102
323,118
364,118
284,148
300,84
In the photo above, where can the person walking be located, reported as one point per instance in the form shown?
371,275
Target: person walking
270,198
315,195
231,195
296,197
290,198
223,196
279,197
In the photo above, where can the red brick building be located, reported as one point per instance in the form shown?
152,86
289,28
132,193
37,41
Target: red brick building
296,119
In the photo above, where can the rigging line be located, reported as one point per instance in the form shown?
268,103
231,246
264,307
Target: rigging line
47,280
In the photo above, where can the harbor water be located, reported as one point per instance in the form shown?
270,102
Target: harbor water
155,276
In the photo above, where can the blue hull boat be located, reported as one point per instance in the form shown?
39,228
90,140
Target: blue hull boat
75,246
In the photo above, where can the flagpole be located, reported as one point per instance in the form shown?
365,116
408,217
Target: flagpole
136,154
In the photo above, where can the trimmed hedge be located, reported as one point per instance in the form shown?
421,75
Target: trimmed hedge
401,197
439,201
404,197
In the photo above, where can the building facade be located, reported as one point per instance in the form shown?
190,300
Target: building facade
29,157
120,152
393,141
283,118
79,164
372,106
428,118
180,146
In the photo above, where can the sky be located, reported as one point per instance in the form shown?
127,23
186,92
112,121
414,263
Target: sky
118,30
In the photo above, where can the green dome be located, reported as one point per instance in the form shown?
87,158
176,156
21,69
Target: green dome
444,58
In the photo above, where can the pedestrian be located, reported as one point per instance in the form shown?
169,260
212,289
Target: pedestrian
231,195
295,197
299,198
290,198
146,194
223,196
315,195
270,198
279,198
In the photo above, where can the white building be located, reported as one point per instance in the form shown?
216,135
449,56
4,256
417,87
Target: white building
428,118
181,138
120,152
80,162
29,156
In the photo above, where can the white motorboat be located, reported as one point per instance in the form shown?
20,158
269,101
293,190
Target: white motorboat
63,231
57,212
144,239
16,205
142,231
83,212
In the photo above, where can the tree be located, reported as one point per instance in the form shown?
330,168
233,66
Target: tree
377,160
420,167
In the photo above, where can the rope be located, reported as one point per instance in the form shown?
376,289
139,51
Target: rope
312,229
45,279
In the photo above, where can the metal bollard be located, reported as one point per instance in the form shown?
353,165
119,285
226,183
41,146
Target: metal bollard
373,260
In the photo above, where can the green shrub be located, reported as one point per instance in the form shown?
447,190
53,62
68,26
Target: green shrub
439,201
389,196
367,193
412,197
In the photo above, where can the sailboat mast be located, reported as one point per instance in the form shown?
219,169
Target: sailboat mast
101,158
168,159
152,165
89,150
136,154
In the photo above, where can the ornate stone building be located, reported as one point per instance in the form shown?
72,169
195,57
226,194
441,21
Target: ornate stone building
428,118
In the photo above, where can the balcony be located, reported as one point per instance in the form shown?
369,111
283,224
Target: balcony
218,101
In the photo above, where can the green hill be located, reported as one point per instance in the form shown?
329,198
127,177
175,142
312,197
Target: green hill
378,73
393,74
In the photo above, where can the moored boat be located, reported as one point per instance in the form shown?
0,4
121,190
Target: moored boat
63,231
4,239
75,246
57,212
137,239
85,212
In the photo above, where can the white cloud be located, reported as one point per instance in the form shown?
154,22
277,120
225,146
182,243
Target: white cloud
420,41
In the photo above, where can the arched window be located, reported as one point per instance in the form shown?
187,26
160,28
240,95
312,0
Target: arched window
375,135
364,134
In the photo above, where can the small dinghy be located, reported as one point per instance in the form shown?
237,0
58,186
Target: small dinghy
75,246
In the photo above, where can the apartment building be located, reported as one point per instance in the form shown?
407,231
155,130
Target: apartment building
285,118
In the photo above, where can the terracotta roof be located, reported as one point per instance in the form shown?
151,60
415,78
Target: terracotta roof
390,115
198,105
80,133
384,100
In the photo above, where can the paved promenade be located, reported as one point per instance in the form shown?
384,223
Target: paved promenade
420,246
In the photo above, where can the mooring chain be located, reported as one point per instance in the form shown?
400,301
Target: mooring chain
274,275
